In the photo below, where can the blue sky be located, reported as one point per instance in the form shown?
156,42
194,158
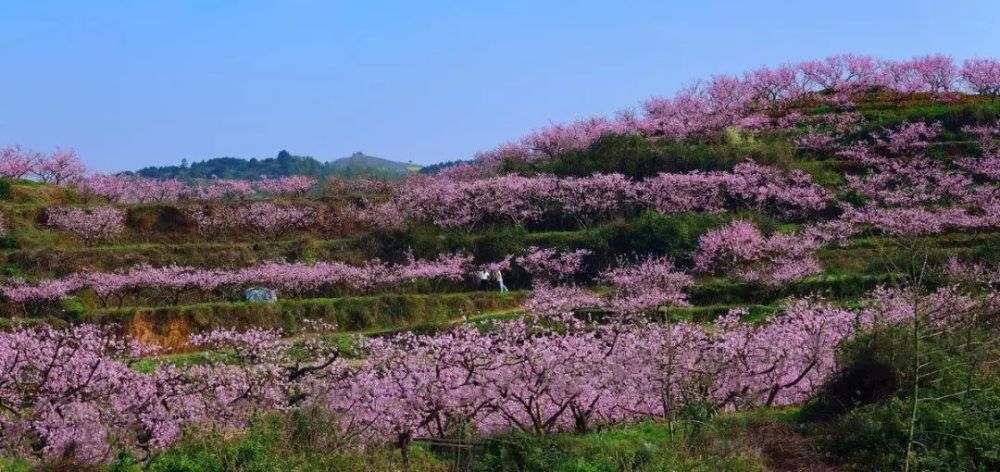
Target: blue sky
136,83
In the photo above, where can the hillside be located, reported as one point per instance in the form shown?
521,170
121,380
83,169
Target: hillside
778,277
360,163
283,165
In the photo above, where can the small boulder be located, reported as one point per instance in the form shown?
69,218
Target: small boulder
260,294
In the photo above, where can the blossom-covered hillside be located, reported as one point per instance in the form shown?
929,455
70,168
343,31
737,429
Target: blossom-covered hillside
792,269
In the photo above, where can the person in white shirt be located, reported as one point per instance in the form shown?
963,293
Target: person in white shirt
484,279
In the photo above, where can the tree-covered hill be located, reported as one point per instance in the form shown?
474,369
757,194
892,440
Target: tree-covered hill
284,164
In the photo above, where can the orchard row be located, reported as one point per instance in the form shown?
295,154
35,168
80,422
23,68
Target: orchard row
75,392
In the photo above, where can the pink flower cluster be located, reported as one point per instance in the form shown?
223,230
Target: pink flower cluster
982,76
263,218
945,306
288,185
509,198
525,377
908,193
987,164
74,393
819,132
640,288
910,182
293,279
915,221
58,167
551,264
815,140
102,223
360,185
766,188
518,199
730,101
514,377
560,303
646,285
19,291
741,251
122,188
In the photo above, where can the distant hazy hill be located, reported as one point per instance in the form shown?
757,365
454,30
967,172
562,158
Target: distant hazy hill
357,164
362,163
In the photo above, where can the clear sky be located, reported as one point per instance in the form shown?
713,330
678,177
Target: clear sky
136,83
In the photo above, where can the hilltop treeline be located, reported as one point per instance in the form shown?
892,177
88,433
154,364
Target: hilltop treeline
284,164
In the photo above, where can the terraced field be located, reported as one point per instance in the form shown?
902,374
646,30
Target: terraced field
802,284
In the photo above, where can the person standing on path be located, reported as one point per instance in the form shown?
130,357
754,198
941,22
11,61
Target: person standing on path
484,279
499,277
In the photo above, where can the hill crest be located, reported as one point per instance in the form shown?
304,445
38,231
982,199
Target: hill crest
284,164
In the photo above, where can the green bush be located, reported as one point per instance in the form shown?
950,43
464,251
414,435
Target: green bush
495,245
637,157
670,235
954,436
953,116
655,234
865,411
631,155
687,157
8,242
425,241
5,190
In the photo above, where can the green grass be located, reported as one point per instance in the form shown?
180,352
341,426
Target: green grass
732,442
307,441
299,442
350,314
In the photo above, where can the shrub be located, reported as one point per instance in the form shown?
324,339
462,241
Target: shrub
867,407
392,245
631,155
496,245
159,219
674,235
5,189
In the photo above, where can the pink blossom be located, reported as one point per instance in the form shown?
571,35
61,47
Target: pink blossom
16,163
60,167
98,224
987,164
551,264
290,185
814,140
646,285
937,73
740,250
982,75
912,221
266,219
293,279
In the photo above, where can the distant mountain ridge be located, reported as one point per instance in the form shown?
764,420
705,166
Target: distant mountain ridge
284,164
